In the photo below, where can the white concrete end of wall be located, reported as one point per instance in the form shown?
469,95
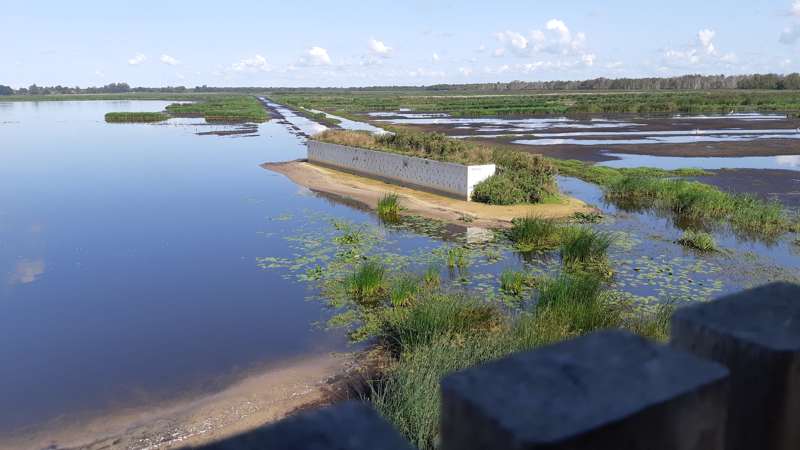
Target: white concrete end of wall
452,179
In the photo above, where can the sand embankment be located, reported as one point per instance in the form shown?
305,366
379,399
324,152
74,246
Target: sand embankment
368,192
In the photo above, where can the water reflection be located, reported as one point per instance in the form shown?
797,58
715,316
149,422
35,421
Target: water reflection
786,162
27,271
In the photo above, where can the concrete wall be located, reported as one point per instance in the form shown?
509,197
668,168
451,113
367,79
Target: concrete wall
455,180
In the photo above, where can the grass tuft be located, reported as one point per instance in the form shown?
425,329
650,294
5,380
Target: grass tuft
533,233
698,240
585,248
367,283
389,207
514,282
135,117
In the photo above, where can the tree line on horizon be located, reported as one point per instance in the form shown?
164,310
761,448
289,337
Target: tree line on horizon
686,82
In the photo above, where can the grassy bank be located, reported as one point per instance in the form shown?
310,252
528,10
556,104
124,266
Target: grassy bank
528,103
520,177
123,117
692,204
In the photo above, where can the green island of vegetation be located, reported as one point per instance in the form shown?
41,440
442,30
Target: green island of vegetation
136,117
213,108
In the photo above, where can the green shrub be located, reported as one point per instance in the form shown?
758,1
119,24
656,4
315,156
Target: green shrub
533,233
498,189
520,178
698,240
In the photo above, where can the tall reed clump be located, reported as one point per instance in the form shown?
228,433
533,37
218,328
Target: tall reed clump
389,207
457,258
698,240
583,248
367,283
534,233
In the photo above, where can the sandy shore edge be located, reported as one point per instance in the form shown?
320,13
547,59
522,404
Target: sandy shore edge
368,191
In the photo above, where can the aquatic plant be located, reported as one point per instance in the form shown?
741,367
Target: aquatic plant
350,235
515,282
534,233
389,207
457,257
698,240
134,117
587,217
585,248
404,289
367,282
432,278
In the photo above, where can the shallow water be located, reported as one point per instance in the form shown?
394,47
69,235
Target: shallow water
785,162
143,262
348,124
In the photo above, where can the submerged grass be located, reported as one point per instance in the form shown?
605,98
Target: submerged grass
698,240
135,117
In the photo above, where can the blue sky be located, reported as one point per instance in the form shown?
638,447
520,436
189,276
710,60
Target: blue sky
348,43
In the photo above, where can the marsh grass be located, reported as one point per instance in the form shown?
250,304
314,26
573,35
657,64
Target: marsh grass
698,240
450,333
135,117
389,208
515,282
232,108
534,234
404,290
457,258
367,283
432,277
583,248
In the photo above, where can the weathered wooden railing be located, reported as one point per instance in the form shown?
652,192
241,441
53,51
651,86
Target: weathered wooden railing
729,379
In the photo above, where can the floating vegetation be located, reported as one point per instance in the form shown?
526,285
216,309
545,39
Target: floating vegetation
136,117
587,217
698,240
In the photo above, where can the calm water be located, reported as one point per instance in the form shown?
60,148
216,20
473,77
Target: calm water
143,262
127,259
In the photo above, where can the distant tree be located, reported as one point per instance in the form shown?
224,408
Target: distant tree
6,90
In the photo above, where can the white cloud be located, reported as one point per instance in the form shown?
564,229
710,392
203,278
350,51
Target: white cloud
614,65
317,56
255,64
435,57
588,59
706,38
556,38
166,59
375,46
790,34
796,8
138,59
423,72
466,71
498,52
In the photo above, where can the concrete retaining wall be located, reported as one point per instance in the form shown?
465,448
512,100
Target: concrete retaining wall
455,180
